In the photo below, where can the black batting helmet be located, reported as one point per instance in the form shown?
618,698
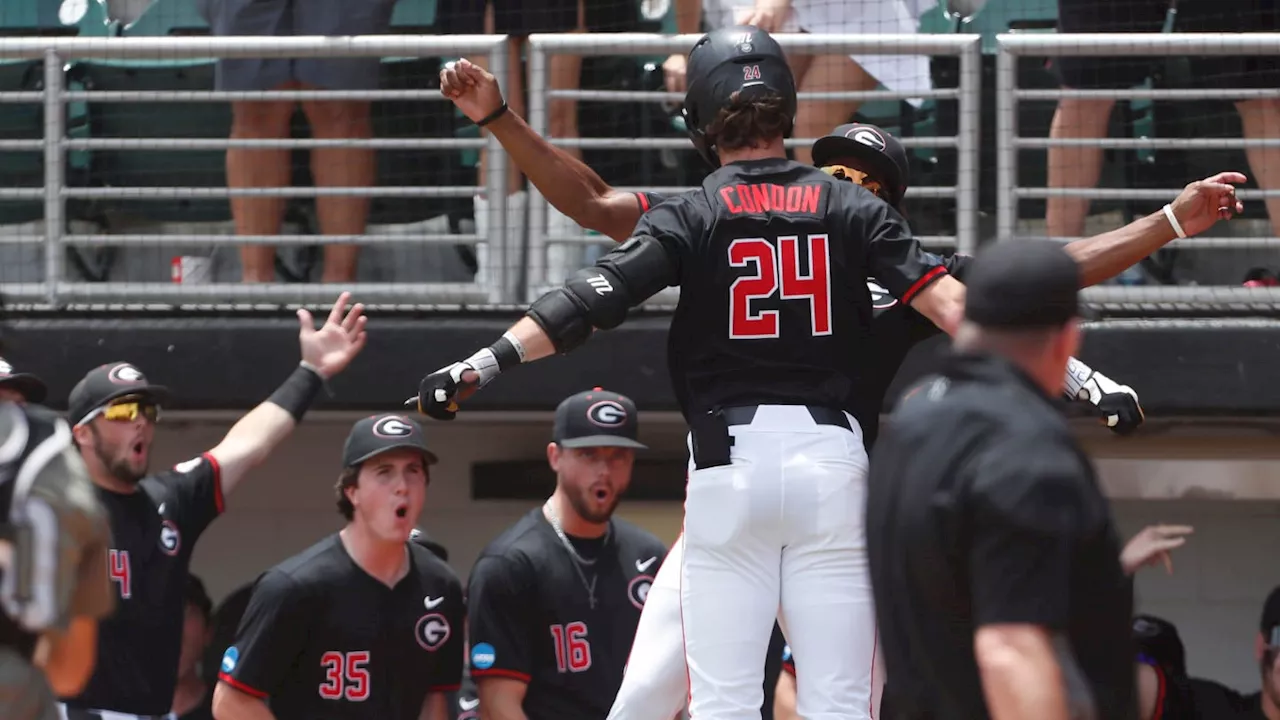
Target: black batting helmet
738,59
884,156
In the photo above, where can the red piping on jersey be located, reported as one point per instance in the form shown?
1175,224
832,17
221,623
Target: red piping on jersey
240,686
217,481
922,283
644,202
499,672
1161,687
789,668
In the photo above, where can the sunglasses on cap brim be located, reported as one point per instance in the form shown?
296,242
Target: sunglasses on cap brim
125,410
857,177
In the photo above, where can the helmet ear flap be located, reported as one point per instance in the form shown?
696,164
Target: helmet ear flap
699,137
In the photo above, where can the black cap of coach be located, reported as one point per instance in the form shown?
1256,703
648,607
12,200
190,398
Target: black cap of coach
109,382
420,536
597,418
381,433
1022,284
29,386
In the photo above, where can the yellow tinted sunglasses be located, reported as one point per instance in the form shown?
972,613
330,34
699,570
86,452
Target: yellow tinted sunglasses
857,177
129,411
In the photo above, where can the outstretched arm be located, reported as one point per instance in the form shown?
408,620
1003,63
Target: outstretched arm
1200,205
566,182
594,298
325,353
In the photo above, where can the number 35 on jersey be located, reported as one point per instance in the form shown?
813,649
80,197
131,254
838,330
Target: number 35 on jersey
791,269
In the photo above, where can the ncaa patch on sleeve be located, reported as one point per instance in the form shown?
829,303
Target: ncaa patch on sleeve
229,659
482,656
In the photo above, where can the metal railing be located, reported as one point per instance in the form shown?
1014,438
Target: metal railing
496,279
967,94
1012,46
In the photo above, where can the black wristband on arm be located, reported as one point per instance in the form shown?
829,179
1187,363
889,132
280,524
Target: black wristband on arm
506,353
297,393
502,110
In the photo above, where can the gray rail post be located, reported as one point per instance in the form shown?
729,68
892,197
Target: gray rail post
54,176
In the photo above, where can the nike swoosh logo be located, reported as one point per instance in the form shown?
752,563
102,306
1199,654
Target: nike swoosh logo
431,602
466,704
642,566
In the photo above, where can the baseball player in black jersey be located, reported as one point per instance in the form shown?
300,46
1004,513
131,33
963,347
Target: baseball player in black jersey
157,518
554,600
769,339
655,685
365,623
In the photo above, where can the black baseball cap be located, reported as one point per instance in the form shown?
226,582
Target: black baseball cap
1022,284
1158,639
1270,623
379,433
597,418
31,387
109,382
883,155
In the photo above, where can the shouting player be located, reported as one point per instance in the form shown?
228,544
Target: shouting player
156,519
766,352
365,623
655,685
554,600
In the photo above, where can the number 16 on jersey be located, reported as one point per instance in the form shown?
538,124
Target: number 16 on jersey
778,270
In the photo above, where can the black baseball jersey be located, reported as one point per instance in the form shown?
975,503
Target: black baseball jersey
530,615
776,256
324,640
772,259
1016,530
154,532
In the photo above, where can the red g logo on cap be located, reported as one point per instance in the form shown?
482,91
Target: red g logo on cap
607,413
394,426
125,374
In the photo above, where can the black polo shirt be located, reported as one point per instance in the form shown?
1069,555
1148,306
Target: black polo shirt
154,532
982,510
530,616
324,640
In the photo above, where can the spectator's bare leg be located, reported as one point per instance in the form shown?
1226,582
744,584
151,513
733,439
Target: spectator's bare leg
1261,119
815,118
1074,167
341,167
258,168
566,74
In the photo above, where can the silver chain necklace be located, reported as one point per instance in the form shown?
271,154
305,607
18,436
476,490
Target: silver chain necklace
579,561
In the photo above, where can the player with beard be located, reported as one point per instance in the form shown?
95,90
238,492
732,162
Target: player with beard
366,623
655,686
553,601
157,518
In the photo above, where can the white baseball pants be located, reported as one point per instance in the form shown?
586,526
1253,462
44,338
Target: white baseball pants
779,530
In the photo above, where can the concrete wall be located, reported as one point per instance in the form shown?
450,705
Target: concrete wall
1214,595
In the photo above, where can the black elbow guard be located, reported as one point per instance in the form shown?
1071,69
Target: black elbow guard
563,317
600,296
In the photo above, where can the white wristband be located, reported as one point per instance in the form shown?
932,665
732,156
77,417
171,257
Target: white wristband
1173,220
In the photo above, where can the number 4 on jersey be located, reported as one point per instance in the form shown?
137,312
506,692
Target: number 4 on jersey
778,270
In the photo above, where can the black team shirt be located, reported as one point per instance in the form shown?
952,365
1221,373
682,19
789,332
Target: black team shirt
530,615
323,640
154,532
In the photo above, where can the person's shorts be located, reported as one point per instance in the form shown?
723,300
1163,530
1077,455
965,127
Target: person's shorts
282,18
525,17
1148,16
